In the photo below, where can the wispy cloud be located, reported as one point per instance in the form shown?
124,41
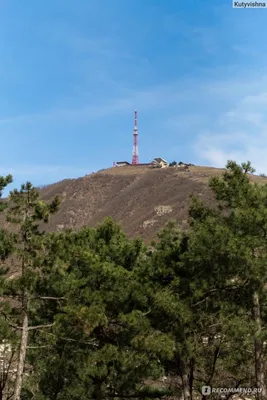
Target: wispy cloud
240,133
155,97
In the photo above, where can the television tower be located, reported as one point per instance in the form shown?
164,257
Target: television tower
135,159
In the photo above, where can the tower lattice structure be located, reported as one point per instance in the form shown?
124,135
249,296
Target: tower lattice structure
135,159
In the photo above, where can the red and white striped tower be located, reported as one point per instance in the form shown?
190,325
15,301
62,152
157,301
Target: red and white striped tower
135,159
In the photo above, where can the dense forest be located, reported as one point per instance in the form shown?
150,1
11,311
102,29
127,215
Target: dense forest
96,315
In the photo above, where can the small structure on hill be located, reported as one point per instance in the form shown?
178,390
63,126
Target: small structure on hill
121,163
127,164
157,162
142,165
182,164
161,162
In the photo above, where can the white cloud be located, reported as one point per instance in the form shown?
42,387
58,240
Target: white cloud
240,133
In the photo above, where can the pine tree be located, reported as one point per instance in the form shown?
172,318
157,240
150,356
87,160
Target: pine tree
25,211
167,282
103,345
6,335
229,251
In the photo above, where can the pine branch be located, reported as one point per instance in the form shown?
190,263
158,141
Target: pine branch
39,347
212,291
30,328
10,396
50,298
92,343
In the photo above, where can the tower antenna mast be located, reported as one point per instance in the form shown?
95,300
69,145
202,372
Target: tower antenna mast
135,159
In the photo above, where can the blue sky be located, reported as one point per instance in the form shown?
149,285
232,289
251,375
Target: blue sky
72,73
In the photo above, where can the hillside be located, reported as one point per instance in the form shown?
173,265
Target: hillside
141,199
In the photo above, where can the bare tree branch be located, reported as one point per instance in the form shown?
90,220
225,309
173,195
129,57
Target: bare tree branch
39,347
50,298
30,328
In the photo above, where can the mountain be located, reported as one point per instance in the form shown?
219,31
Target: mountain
142,199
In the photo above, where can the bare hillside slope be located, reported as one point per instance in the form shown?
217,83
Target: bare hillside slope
141,199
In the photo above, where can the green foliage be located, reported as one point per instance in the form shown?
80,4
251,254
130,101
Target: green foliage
114,318
101,325
4,182
24,211
227,251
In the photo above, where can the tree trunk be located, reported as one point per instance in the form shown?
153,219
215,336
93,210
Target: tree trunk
191,378
186,388
185,382
22,357
258,349
97,392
